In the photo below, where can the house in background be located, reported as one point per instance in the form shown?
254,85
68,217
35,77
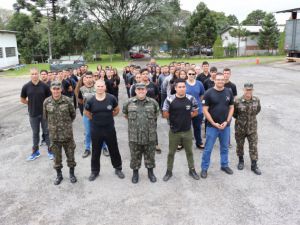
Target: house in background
249,44
8,49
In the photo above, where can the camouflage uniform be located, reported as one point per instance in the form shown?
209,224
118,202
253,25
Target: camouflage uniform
60,115
142,116
245,112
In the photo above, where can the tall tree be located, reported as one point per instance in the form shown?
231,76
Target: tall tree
218,49
221,20
239,33
255,18
281,49
232,20
124,21
269,34
202,29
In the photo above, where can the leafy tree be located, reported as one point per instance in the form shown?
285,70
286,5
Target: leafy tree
232,20
239,33
202,29
5,16
269,34
221,20
281,43
26,36
218,50
255,18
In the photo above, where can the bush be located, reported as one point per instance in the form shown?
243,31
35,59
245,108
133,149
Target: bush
88,56
218,50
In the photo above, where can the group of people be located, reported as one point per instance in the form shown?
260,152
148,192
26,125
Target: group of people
185,94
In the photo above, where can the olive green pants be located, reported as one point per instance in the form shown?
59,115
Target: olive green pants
186,140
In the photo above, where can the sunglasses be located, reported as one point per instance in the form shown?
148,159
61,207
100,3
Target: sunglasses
192,74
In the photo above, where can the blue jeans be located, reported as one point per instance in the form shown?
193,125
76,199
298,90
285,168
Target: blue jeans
197,121
212,134
87,133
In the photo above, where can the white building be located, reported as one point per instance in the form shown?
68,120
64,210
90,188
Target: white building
8,49
248,45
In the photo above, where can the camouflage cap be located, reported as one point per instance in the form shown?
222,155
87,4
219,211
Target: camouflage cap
140,86
55,84
248,86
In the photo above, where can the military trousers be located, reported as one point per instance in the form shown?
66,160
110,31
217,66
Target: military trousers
69,147
137,151
180,138
252,140
99,135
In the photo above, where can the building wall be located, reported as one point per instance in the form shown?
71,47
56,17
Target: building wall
8,40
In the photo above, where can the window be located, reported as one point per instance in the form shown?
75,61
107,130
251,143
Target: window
1,53
10,51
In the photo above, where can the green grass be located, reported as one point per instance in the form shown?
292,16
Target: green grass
119,63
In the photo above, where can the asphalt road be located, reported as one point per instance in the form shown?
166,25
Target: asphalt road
28,196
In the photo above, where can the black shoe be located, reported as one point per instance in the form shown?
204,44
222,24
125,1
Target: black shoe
58,178
93,176
227,170
119,173
193,174
135,176
73,179
158,150
105,152
86,153
254,168
200,146
203,174
241,163
151,175
168,175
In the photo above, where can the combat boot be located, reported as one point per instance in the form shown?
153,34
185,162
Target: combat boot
73,179
254,167
59,177
135,176
168,175
151,175
194,174
241,163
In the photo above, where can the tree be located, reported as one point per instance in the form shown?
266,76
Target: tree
124,21
255,18
232,20
269,34
202,29
239,33
221,20
218,50
281,43
5,16
26,36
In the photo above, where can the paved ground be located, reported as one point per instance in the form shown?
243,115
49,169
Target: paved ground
28,195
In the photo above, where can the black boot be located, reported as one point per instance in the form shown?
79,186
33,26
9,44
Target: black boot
241,163
168,175
194,174
135,176
151,175
254,167
59,177
73,179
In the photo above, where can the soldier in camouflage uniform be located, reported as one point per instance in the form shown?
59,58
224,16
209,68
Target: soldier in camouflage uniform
142,113
245,110
60,113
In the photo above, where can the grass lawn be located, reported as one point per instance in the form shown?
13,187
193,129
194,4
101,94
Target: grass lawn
119,63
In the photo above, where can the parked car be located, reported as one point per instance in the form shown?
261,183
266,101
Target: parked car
65,62
136,55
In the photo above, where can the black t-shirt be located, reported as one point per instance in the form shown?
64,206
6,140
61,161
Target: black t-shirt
152,91
180,112
208,84
66,84
218,103
202,77
36,95
102,111
231,86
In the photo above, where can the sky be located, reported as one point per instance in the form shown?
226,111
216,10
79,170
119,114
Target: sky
240,8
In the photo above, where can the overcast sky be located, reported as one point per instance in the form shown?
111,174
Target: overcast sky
240,8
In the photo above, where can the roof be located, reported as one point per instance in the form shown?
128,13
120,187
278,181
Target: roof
251,29
289,10
8,31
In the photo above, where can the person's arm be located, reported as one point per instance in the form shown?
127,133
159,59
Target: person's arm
229,117
125,109
45,115
24,96
116,111
209,118
80,98
24,101
72,110
258,106
165,109
194,113
88,114
235,113
195,108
